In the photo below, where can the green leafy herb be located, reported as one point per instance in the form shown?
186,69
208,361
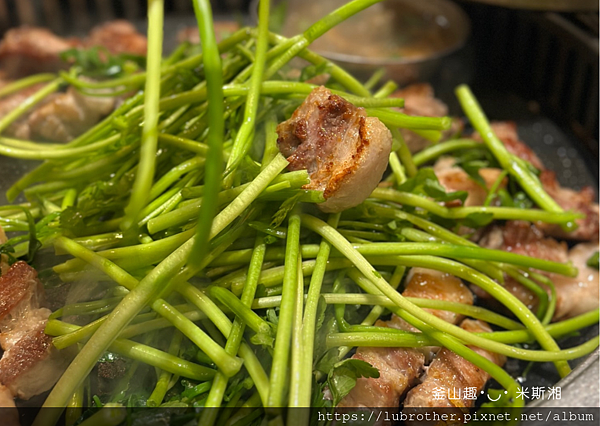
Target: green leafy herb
472,169
342,378
286,207
522,201
313,71
98,62
192,391
478,219
425,182
8,250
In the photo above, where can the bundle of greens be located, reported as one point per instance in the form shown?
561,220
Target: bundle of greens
209,267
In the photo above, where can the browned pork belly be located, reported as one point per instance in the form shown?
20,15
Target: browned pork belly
30,50
118,37
506,131
574,295
30,364
579,201
400,368
453,178
344,151
222,30
420,100
60,117
20,294
449,375
65,116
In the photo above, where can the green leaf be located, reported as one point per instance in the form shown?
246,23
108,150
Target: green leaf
98,62
522,201
286,207
321,308
477,220
342,378
472,169
239,382
425,182
264,337
8,250
272,316
280,233
592,262
312,71
192,390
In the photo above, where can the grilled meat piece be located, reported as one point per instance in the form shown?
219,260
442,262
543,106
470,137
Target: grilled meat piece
453,178
579,201
344,151
66,116
60,117
420,100
30,50
435,285
574,295
30,364
223,29
118,37
399,368
20,128
21,294
506,131
449,375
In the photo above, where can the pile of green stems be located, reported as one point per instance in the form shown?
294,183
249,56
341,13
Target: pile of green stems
189,232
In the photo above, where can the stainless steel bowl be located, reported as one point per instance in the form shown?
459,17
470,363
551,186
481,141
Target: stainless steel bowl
406,38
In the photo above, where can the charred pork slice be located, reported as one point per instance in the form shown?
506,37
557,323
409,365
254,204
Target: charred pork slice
507,132
400,368
453,178
30,363
223,29
30,50
65,116
449,376
344,151
574,295
21,293
118,37
59,118
579,201
419,99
